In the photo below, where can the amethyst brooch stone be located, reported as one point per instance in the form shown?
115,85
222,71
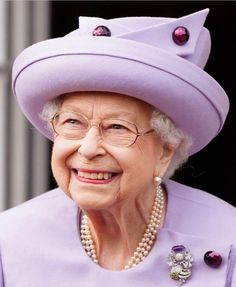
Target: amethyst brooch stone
180,263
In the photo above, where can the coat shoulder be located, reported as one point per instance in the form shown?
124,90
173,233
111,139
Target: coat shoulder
197,212
43,209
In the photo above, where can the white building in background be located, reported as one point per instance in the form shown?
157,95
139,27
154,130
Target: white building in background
24,158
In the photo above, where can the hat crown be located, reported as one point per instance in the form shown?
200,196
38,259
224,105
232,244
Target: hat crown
133,56
157,32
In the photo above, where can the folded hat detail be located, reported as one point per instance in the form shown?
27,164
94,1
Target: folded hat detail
139,59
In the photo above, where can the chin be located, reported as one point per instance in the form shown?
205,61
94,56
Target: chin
92,199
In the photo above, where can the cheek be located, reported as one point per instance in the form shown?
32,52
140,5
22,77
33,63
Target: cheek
60,169
138,165
148,155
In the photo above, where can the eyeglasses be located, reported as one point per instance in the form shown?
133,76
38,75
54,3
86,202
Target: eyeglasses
116,132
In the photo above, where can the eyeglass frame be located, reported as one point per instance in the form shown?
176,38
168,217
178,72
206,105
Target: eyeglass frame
99,126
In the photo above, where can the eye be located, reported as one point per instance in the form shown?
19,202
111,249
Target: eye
114,127
117,127
72,122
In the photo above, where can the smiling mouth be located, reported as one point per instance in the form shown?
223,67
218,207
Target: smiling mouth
94,176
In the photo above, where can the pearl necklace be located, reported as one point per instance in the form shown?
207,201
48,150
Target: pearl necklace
146,242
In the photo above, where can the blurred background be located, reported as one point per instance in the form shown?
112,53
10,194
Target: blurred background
25,155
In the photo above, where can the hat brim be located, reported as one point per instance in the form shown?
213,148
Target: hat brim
188,95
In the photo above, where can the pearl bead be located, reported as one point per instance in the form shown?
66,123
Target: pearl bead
145,243
179,256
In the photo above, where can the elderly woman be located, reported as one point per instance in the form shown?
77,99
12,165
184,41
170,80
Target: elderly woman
125,102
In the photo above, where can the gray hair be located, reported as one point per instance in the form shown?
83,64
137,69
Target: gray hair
173,136
160,122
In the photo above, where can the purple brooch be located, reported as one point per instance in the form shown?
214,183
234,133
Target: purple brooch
180,263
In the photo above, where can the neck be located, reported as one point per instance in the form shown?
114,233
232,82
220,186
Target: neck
117,233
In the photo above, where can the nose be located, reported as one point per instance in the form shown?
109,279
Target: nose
91,145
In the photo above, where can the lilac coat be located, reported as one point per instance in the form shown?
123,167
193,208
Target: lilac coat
40,246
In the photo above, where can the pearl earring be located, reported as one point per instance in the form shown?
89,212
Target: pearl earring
158,180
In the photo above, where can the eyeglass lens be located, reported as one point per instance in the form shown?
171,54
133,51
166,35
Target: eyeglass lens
113,131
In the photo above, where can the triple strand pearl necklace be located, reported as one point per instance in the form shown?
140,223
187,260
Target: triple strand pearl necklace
146,242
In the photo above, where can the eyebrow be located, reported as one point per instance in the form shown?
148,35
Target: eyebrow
107,114
120,113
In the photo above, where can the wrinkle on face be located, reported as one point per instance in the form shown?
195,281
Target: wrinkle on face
102,105
118,212
136,164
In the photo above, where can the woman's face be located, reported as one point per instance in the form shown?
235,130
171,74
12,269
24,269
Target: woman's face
97,175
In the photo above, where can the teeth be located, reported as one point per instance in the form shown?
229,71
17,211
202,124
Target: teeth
100,175
106,175
94,175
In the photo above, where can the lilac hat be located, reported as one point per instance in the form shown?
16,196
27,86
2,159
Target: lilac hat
157,60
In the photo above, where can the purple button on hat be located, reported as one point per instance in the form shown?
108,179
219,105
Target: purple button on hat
101,31
180,35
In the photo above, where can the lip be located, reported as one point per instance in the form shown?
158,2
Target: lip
94,170
94,181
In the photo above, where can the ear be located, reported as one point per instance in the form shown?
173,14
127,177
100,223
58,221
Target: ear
164,159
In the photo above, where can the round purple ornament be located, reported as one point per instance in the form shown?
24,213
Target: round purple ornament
213,259
101,31
180,35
